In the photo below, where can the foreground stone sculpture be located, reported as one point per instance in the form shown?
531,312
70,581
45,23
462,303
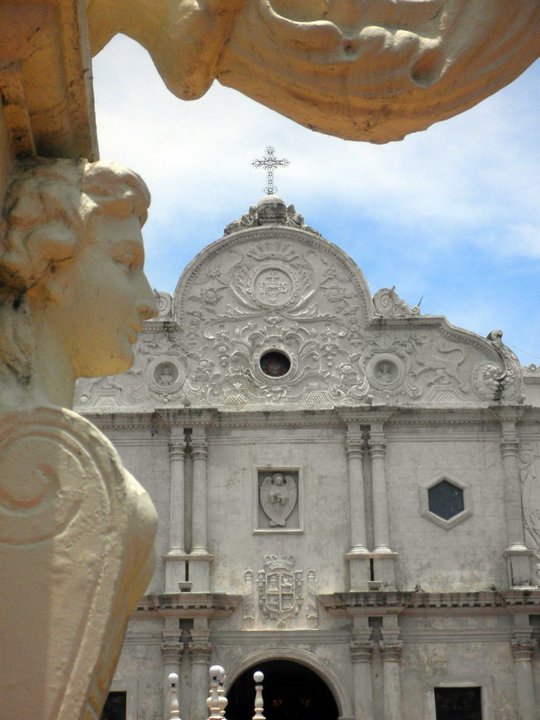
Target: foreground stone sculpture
76,529
373,70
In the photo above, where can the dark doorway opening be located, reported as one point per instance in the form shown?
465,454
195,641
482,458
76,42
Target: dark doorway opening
458,703
291,692
115,706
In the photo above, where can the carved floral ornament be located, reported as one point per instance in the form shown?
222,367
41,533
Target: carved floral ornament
372,70
274,315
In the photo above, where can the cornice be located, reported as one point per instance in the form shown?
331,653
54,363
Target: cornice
161,420
410,603
186,605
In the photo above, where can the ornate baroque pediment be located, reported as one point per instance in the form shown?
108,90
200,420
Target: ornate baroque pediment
273,316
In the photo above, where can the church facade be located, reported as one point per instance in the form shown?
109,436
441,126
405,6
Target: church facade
347,490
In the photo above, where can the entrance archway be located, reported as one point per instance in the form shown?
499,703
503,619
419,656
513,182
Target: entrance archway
291,692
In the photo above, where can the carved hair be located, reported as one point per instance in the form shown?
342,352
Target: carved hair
49,203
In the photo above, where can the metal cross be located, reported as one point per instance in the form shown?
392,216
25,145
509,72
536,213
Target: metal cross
270,162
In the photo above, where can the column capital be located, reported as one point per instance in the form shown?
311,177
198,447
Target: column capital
522,649
199,646
177,449
171,649
354,445
391,651
509,445
377,444
361,651
199,451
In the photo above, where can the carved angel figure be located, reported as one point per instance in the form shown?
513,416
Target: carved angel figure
73,522
278,498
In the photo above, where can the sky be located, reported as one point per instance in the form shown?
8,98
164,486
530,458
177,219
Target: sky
450,215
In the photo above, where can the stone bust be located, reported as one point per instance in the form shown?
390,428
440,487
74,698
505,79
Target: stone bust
73,294
76,529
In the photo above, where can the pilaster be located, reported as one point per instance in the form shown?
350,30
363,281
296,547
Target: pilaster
383,555
199,571
358,557
522,647
175,560
517,554
391,648
361,647
172,649
200,651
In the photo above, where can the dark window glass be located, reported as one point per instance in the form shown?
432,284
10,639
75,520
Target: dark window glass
445,499
458,703
115,706
275,364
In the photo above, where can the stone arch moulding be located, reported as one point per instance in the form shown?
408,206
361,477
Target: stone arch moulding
427,514
303,657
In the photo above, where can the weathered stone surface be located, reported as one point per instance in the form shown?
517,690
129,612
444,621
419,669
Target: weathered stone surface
371,71
45,78
76,530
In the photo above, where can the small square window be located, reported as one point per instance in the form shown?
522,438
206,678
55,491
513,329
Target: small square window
458,703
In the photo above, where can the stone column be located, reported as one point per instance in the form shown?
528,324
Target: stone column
361,654
199,557
517,554
171,652
391,647
522,649
175,560
383,555
200,650
358,554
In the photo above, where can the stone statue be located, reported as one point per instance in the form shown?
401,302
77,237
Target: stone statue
373,70
76,529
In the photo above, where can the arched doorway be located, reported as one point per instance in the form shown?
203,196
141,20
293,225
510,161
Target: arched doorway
291,692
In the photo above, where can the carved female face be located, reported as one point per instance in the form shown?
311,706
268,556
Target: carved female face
107,298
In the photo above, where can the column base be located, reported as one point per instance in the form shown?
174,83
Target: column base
199,570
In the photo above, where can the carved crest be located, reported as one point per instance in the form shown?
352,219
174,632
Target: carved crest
280,588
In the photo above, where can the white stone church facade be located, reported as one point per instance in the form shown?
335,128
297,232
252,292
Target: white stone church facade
343,485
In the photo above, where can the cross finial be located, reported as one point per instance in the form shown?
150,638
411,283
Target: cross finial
270,162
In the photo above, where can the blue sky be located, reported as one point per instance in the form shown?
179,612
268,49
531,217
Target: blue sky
451,214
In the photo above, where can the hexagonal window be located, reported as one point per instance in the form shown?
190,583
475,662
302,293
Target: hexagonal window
445,499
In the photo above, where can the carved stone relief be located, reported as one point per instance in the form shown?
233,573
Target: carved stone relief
278,499
274,315
281,589
529,458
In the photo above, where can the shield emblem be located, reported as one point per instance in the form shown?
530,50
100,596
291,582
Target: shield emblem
280,587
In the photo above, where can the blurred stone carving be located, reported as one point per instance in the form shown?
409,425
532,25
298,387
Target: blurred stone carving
278,497
373,70
77,529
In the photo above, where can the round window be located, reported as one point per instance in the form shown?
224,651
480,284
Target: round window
275,363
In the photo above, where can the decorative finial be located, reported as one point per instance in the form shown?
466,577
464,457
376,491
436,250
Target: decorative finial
259,703
174,708
270,162
213,702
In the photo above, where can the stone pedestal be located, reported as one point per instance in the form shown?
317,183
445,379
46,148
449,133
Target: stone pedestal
76,533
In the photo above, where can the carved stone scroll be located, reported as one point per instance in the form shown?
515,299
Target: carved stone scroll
65,502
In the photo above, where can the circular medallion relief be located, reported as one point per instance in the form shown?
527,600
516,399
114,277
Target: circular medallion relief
273,287
275,363
385,371
166,375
